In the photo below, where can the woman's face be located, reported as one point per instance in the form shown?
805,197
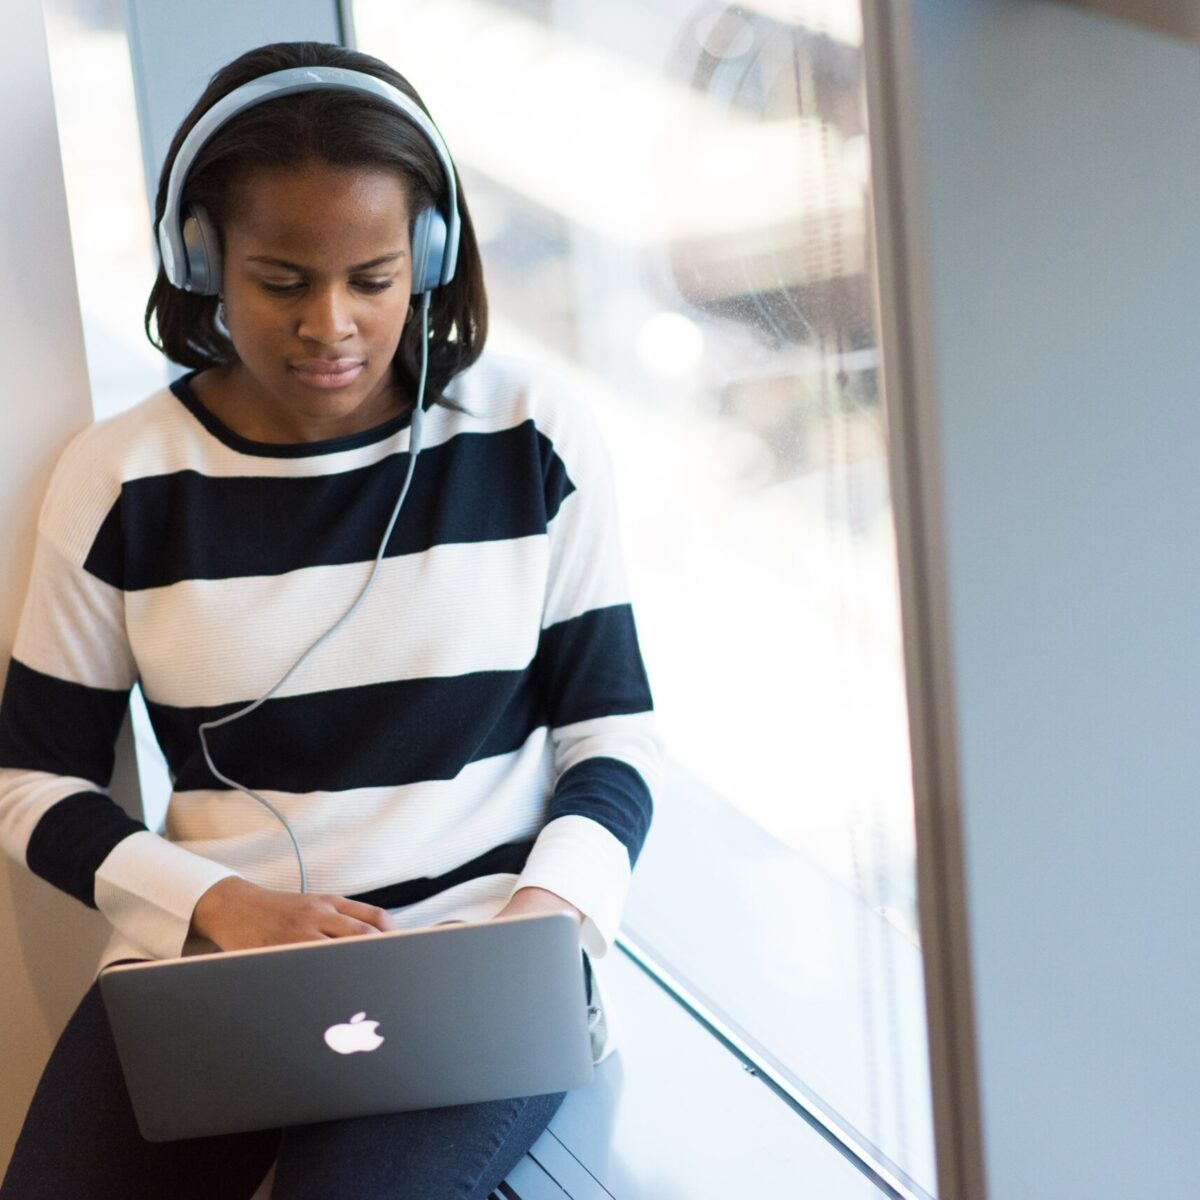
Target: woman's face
316,283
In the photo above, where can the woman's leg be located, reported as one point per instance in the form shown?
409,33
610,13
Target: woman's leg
456,1153
80,1137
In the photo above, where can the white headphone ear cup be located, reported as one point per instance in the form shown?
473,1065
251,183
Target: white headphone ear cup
203,249
428,250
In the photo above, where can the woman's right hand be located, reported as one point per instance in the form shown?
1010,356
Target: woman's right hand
236,914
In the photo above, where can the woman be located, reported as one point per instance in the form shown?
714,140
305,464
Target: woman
453,722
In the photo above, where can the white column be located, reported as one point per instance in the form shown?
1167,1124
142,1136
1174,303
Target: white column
1040,271
49,943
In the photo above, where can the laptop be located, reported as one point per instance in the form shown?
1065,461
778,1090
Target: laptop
316,1031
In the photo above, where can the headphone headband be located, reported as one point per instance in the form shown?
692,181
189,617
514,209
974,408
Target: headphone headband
434,258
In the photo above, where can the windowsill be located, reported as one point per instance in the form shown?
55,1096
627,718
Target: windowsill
675,1116
816,986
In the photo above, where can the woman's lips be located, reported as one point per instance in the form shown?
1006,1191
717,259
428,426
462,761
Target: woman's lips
323,373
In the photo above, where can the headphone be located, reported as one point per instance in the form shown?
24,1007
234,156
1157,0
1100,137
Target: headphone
191,259
187,240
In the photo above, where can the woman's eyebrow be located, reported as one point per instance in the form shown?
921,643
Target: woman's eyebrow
291,266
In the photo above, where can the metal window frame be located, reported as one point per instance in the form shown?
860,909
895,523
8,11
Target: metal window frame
910,404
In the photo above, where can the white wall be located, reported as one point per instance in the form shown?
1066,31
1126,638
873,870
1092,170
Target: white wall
1059,167
49,943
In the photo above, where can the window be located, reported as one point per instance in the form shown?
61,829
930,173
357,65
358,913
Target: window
110,220
673,204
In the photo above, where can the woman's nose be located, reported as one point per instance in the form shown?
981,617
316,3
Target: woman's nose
328,316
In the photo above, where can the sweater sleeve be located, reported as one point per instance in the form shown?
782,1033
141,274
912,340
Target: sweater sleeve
607,753
65,697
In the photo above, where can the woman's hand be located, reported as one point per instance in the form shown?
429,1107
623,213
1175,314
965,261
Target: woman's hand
236,914
528,900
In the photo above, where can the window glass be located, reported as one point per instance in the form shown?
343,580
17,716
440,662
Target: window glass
106,197
673,205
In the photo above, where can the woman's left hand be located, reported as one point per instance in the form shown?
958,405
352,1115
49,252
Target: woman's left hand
529,900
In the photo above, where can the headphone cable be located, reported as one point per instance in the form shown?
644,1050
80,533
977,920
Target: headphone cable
414,447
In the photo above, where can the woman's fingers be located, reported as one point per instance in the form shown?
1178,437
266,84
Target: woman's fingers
369,914
350,928
350,918
257,917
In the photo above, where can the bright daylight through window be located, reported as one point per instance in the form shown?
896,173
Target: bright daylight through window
673,203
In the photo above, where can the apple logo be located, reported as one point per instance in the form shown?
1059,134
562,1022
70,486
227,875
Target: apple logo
351,1036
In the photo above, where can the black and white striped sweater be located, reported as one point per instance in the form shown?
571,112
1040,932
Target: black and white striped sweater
483,720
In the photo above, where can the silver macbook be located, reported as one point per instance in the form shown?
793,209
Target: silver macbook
254,1039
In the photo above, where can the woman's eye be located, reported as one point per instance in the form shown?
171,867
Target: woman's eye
366,285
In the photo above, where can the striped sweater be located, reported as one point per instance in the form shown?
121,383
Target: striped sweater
482,722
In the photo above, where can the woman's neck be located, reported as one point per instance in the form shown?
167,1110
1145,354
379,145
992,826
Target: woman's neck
242,407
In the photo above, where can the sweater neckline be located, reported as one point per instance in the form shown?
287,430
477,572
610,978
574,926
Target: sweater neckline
183,391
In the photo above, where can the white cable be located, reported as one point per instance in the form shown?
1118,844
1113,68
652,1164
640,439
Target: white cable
414,448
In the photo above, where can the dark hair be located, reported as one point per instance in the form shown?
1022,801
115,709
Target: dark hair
340,128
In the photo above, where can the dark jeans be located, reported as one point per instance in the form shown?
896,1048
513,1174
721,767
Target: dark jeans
80,1140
